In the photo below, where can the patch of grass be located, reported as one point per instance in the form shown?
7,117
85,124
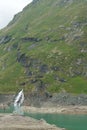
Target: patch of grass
78,85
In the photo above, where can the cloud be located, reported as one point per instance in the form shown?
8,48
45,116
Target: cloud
10,7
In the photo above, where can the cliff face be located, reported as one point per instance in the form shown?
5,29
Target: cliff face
44,48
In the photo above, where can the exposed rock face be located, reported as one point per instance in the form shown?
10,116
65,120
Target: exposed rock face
5,39
62,99
31,39
67,99
43,98
6,98
15,122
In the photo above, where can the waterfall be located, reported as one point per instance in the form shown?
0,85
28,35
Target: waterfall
18,102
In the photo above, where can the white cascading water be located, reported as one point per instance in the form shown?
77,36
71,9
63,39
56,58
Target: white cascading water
18,102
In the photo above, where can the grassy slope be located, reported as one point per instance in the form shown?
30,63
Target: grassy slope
62,26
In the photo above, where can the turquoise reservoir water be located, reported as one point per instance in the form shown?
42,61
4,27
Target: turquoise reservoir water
70,122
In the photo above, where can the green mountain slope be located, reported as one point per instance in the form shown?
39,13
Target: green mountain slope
44,48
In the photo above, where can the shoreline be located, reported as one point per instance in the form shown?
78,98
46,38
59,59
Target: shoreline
17,122
58,110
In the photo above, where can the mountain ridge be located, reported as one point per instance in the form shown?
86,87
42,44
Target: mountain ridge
43,49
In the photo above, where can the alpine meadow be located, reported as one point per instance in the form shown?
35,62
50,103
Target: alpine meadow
44,48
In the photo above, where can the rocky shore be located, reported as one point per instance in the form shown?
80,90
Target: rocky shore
56,103
16,122
53,100
57,110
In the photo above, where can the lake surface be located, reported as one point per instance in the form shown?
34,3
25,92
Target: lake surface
70,122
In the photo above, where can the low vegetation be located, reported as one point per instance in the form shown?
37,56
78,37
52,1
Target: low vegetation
44,48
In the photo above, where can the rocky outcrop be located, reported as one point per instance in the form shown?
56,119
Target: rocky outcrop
6,98
42,98
67,99
5,39
31,39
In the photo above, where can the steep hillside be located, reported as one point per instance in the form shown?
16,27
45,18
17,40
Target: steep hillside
44,48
